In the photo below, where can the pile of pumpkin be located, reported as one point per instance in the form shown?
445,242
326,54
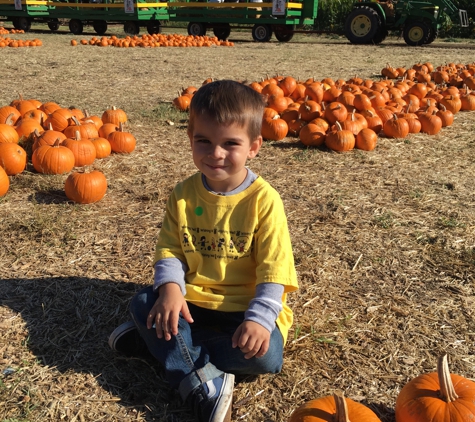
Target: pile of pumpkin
58,140
155,40
344,114
10,42
435,397
4,31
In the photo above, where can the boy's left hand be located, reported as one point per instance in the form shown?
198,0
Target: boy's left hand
252,338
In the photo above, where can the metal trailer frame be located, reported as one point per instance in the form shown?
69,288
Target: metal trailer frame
278,17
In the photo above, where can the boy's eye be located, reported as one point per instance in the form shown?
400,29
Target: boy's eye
202,141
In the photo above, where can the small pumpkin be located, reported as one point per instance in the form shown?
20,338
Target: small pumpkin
335,111
122,141
13,158
59,119
4,182
340,139
86,187
274,128
430,123
436,397
53,159
312,135
366,139
336,408
396,127
114,115
102,146
83,149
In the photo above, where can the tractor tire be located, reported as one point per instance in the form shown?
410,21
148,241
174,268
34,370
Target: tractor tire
416,33
433,34
380,35
362,25
197,29
261,32
222,31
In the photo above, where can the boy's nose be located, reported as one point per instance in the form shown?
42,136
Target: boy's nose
216,152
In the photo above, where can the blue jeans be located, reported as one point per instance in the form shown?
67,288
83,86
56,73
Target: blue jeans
202,350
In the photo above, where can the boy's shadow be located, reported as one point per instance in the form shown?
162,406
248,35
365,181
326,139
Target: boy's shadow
69,320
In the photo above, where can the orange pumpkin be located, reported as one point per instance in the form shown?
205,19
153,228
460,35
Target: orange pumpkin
53,159
4,182
436,397
122,141
12,158
86,188
334,408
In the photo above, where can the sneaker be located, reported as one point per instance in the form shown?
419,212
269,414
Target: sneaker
212,401
126,340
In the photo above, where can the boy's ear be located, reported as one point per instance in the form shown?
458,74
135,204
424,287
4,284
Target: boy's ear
255,147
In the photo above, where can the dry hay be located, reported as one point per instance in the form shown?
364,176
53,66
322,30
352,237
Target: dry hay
383,241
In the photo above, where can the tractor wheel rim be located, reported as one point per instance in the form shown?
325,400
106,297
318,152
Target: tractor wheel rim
415,34
361,25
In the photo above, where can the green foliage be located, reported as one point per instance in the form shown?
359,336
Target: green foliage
332,14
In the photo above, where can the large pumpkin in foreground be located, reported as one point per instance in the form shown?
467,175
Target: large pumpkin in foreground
86,188
334,408
437,397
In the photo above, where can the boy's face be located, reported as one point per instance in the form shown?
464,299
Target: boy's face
220,152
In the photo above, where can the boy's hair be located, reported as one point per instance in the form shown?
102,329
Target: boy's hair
229,102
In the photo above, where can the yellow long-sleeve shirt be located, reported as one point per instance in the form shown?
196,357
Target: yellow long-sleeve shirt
229,244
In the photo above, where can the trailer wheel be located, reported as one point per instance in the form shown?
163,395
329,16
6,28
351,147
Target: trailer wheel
154,27
100,27
197,29
284,33
416,33
362,25
24,24
222,31
131,28
15,23
76,26
53,24
261,32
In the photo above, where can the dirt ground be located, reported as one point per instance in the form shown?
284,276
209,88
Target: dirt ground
383,240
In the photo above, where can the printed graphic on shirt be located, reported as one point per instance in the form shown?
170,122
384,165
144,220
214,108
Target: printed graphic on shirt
216,243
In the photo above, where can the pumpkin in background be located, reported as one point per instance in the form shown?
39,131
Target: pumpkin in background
340,139
59,119
366,139
8,134
114,115
9,113
83,150
312,135
396,127
122,141
13,158
4,182
334,408
102,146
86,188
53,159
437,397
274,128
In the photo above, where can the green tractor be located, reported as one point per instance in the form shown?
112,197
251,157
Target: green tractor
419,21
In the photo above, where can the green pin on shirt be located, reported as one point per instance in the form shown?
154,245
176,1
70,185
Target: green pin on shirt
198,211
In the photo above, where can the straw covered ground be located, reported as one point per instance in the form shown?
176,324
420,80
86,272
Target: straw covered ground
383,240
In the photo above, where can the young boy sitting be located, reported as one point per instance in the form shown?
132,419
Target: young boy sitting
223,262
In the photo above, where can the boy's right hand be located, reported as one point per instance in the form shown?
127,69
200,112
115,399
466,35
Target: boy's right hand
166,311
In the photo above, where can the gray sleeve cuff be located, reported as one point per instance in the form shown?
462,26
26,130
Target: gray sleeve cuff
170,270
266,305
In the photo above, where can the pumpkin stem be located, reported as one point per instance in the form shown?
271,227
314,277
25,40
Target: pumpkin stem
447,390
76,121
341,414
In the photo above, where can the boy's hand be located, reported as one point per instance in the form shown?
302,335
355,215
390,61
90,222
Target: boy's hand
166,311
252,338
